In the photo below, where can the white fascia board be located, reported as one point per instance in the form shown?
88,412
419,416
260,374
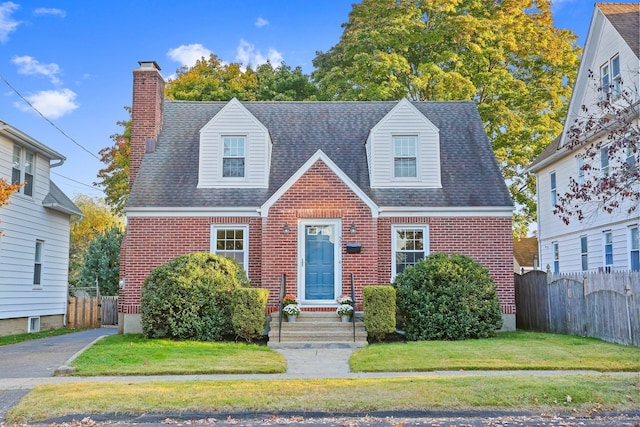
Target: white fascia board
319,155
29,142
164,212
451,212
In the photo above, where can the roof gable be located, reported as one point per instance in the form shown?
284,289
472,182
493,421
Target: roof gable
625,17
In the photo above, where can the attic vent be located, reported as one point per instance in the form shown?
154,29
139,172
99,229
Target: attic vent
150,145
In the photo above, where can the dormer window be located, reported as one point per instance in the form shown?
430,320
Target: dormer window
610,78
405,156
23,169
233,158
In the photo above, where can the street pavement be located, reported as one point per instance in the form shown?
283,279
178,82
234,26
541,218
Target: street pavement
28,364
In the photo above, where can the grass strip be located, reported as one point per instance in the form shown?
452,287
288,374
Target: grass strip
135,355
18,338
579,394
508,351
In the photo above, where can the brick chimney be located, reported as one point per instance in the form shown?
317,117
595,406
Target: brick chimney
146,112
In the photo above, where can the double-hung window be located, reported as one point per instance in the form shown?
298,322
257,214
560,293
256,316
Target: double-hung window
553,190
410,245
405,155
610,78
23,169
580,179
231,241
634,248
608,251
556,257
37,265
604,161
233,157
584,253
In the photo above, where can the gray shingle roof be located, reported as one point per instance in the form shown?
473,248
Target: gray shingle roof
625,17
59,201
470,174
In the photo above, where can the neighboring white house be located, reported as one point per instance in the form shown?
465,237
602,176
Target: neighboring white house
34,247
600,241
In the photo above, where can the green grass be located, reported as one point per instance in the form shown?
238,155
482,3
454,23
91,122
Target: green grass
508,351
14,339
135,355
578,394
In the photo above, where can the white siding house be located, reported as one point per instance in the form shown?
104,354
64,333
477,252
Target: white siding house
600,241
34,247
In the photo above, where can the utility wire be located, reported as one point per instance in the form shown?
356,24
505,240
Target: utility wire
77,182
45,118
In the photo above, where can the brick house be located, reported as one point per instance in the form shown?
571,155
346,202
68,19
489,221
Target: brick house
286,187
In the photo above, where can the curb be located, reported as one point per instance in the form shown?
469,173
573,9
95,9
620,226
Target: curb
66,369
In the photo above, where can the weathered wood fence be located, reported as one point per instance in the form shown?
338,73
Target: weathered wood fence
599,305
86,312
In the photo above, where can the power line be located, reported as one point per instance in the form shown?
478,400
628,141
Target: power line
46,119
77,182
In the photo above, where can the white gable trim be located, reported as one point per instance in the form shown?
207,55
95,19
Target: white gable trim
319,155
230,104
449,212
403,103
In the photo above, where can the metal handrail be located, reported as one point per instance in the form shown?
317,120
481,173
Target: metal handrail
283,291
353,316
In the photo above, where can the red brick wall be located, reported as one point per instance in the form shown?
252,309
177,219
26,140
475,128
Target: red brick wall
487,240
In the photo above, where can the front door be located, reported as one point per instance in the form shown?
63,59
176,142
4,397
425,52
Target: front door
320,258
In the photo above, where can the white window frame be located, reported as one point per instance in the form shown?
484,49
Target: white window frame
610,77
580,164
226,227
607,241
604,161
553,189
24,158
38,262
555,255
394,232
634,244
228,138
395,139
33,324
584,253
605,77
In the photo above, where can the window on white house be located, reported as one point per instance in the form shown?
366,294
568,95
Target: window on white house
629,154
405,150
584,253
634,248
37,265
605,78
580,170
556,257
608,251
233,157
610,78
410,245
604,161
231,241
23,169
554,191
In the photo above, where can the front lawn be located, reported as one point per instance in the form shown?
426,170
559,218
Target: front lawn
132,354
508,351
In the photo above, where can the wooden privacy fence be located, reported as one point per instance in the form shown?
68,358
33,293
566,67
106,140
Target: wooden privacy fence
599,305
86,312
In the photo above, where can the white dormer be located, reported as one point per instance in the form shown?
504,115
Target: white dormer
403,150
235,150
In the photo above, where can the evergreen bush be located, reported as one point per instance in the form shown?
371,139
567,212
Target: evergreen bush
249,312
379,311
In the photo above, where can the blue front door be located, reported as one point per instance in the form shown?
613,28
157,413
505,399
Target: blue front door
319,277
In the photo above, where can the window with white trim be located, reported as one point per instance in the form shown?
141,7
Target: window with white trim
610,78
37,265
233,156
604,161
556,257
607,241
231,241
410,245
584,253
630,154
580,164
23,169
553,196
405,156
634,248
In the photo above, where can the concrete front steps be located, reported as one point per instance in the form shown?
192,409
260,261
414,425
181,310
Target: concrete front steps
315,329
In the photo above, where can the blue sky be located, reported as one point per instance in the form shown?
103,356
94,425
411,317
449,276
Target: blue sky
73,60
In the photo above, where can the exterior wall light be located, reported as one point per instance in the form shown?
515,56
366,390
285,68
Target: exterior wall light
285,228
352,229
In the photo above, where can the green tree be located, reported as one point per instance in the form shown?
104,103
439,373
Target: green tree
102,262
506,56
98,218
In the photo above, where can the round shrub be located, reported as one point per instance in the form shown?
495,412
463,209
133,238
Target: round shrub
190,298
447,297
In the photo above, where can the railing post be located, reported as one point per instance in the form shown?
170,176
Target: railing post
353,316
283,290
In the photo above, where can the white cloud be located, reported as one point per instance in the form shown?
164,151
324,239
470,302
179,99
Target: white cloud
30,66
187,55
261,22
7,23
53,104
50,11
247,54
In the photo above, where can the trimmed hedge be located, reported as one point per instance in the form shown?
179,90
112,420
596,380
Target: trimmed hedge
447,297
190,298
249,312
379,311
